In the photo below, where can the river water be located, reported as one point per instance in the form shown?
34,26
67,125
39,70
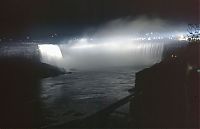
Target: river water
80,94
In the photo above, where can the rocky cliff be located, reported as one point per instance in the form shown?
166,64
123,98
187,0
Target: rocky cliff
167,94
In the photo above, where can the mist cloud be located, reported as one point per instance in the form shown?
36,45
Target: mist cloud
120,43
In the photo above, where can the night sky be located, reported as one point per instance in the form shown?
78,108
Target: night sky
19,16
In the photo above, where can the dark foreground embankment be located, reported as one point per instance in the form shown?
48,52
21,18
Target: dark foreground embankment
167,94
19,89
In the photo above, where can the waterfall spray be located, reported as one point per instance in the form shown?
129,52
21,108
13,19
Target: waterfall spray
120,43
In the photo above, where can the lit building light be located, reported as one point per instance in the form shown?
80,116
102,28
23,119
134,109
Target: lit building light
182,38
189,67
174,56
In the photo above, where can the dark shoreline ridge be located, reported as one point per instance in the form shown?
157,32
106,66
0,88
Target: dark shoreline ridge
19,89
167,94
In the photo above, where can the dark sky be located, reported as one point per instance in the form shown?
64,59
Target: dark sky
16,16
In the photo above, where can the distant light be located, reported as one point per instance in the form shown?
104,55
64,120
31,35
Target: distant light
182,38
198,70
83,40
50,51
189,67
27,37
174,56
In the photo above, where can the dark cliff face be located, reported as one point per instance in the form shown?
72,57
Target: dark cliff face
167,94
19,89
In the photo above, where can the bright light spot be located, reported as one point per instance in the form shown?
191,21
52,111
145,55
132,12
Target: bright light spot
83,40
174,56
190,67
50,51
182,38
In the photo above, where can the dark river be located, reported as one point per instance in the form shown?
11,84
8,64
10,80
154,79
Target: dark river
80,94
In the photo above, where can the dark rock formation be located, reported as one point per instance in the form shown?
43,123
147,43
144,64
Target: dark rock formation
20,89
167,94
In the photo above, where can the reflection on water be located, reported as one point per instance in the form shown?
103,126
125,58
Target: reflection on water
79,94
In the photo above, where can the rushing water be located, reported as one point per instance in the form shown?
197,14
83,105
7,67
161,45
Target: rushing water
89,55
